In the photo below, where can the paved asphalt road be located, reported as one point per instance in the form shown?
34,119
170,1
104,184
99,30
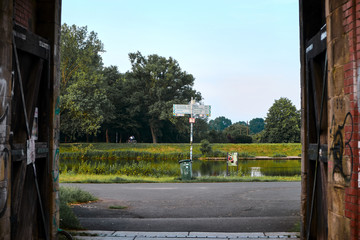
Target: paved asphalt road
202,207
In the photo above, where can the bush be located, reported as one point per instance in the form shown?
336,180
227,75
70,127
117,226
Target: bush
246,154
279,155
205,147
68,220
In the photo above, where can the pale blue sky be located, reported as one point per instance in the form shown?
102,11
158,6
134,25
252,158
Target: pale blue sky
243,54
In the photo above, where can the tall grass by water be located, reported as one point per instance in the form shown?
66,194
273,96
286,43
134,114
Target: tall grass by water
119,167
167,151
161,160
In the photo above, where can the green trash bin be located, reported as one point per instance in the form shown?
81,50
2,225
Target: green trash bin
186,169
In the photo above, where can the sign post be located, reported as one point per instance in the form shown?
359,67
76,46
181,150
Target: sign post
194,110
232,161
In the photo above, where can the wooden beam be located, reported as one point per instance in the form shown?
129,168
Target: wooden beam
31,43
18,151
317,44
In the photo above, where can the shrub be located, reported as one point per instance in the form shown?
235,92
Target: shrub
245,154
279,155
205,147
68,220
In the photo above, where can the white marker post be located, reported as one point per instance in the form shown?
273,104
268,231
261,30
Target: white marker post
194,110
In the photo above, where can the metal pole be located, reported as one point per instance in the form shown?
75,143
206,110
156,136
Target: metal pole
227,164
237,164
191,128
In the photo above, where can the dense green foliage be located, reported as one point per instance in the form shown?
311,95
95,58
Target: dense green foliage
205,147
237,133
84,105
282,123
219,123
256,125
156,83
98,102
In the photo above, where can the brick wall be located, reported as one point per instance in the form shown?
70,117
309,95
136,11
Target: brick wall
24,12
343,26
351,18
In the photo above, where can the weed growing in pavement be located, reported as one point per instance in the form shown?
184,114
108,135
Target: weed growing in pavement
69,195
117,207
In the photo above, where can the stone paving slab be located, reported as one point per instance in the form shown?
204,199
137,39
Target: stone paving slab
152,234
226,235
187,238
92,233
124,235
102,238
283,234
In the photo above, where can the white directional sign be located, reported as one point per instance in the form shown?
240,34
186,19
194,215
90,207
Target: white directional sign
202,110
181,109
195,110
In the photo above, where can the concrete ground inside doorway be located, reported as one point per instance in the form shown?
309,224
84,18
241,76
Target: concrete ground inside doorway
192,207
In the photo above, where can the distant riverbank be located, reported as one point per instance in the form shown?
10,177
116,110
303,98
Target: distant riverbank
251,158
101,162
175,151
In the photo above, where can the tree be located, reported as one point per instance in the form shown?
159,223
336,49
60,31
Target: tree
256,125
79,51
237,133
117,91
156,84
242,123
219,123
84,104
282,123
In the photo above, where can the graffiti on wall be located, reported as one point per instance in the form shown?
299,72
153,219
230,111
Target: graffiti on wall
55,164
341,149
4,157
4,108
4,152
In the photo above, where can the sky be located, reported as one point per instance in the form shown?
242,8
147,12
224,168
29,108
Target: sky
243,54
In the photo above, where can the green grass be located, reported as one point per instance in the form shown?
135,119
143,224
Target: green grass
296,227
84,178
71,195
104,149
117,207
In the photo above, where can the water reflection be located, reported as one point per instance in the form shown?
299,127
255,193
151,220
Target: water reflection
256,172
253,168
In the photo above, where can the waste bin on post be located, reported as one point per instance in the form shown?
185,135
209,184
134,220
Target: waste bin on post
186,169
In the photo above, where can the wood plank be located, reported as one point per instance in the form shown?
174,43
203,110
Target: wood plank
32,87
19,174
31,43
317,44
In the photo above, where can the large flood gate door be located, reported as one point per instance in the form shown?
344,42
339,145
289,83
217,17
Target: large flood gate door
30,120
316,135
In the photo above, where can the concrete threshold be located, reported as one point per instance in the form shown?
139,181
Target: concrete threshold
125,235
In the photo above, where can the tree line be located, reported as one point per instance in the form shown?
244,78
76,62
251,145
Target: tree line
100,103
